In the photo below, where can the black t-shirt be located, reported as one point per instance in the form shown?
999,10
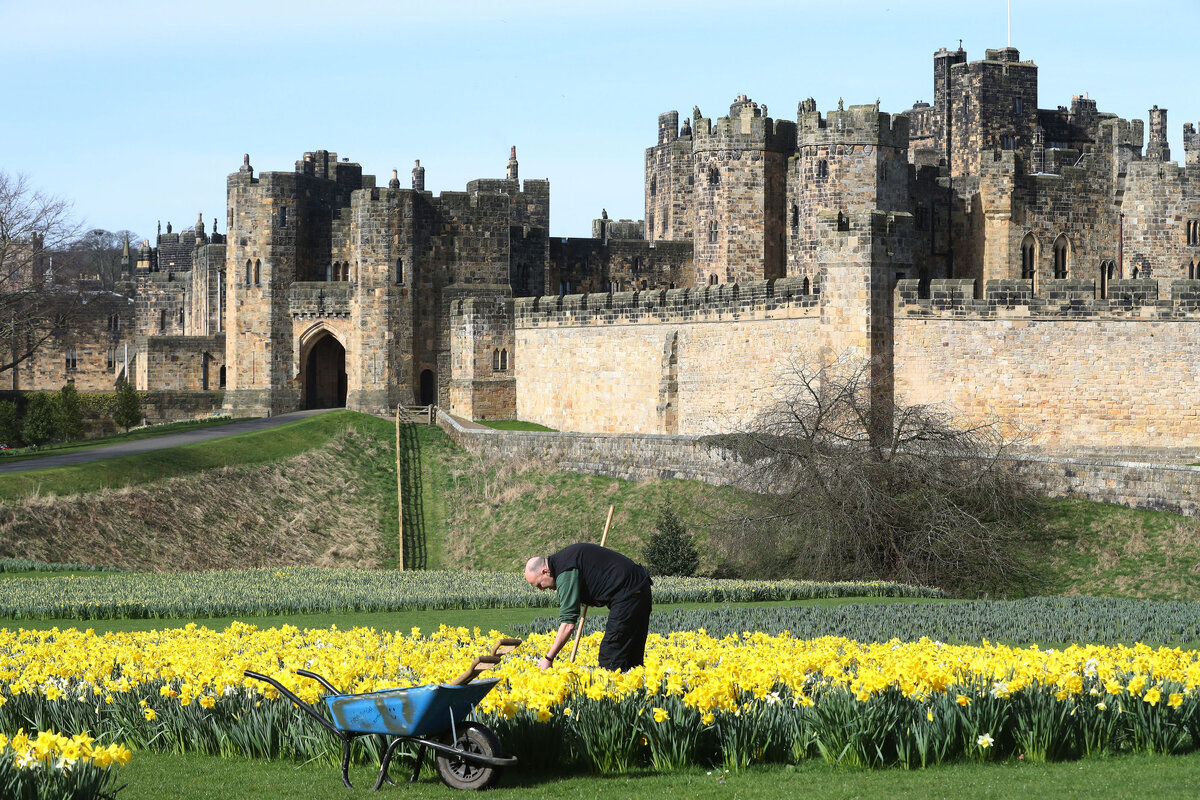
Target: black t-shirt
605,576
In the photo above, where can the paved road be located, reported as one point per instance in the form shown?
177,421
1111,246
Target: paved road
155,443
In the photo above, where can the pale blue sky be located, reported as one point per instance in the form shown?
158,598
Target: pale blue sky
137,110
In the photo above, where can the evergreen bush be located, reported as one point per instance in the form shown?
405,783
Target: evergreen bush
40,419
670,550
129,406
10,424
69,414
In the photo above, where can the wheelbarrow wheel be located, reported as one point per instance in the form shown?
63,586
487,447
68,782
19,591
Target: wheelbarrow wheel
460,773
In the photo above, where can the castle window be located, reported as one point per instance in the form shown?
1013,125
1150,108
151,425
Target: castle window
162,321
653,186
1193,232
503,359
221,377
249,268
1007,143
1017,105
712,279
1060,257
283,216
399,270
822,169
807,287
714,177
795,216
712,232
181,316
495,360
112,358
645,285
71,359
258,272
1028,257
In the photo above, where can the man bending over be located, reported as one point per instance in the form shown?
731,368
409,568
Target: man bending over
588,574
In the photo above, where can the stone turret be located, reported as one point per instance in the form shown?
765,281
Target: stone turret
418,176
1157,148
511,173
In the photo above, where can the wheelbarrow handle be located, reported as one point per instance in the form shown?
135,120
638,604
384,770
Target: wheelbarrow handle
305,673
290,695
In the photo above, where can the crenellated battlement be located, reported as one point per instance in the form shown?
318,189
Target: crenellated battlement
746,128
1067,299
853,125
782,298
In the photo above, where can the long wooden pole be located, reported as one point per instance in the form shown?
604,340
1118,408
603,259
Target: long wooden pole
399,493
583,611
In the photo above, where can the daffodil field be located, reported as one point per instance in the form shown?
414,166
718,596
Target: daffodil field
50,766
701,699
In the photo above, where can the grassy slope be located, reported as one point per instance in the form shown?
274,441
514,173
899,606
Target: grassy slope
477,513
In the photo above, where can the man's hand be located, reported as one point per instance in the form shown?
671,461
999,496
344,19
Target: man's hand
545,664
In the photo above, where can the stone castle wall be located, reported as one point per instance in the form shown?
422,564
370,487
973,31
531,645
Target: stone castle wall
700,360
595,265
1065,369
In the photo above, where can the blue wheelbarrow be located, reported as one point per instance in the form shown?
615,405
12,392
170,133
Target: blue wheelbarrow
432,717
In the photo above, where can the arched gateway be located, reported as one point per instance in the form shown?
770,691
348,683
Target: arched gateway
325,374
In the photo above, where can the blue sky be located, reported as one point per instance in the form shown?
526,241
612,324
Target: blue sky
137,110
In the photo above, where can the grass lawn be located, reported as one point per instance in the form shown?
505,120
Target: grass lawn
250,448
152,776
512,425
23,453
500,619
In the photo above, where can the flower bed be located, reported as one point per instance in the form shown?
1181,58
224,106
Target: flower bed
699,700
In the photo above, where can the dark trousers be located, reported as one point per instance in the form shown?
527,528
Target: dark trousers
624,643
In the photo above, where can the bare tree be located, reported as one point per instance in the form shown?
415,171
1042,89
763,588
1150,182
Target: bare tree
933,503
36,292
97,254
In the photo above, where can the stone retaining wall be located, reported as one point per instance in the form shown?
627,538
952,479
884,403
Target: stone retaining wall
1159,487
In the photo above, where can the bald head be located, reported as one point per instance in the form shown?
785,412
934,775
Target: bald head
537,573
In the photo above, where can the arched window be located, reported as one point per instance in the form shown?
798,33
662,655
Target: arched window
714,176
495,360
399,270
795,215
1028,257
503,359
221,378
712,279
806,285
1061,252
258,272
712,232
249,269
822,169
1193,232
653,186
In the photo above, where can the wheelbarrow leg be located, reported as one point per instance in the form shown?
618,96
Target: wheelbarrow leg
346,762
417,767
384,762
383,752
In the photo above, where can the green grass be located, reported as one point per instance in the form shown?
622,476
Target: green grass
150,432
500,619
153,776
512,425
251,448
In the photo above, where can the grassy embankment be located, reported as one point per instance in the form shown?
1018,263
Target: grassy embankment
322,490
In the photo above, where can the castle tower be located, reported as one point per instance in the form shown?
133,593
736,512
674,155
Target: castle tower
1157,148
740,190
511,172
992,106
394,183
855,158
418,177
669,181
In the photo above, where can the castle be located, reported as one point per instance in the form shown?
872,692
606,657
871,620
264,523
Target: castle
1036,264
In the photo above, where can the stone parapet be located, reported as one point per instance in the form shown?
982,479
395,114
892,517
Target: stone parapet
1070,298
316,299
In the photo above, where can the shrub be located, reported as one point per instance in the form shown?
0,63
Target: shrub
10,424
670,550
39,419
68,414
129,406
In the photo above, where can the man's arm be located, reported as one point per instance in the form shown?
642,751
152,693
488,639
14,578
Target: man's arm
567,586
